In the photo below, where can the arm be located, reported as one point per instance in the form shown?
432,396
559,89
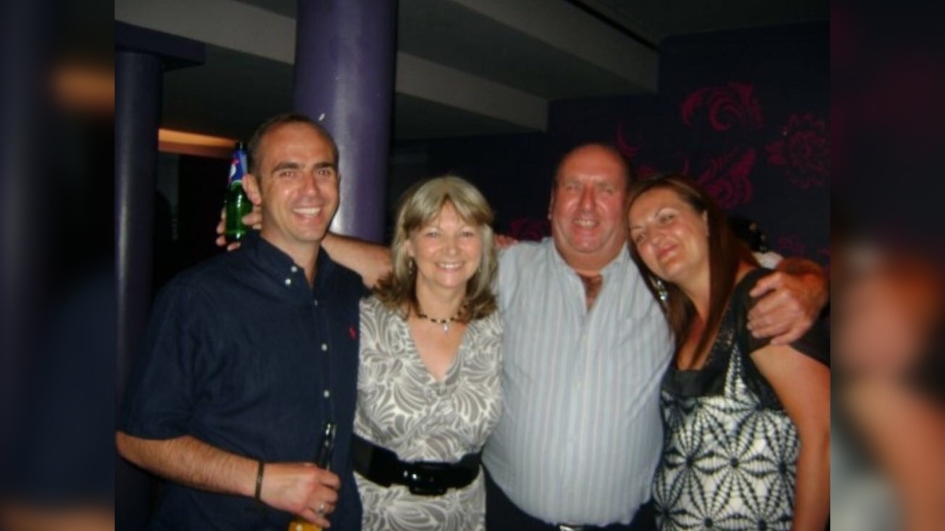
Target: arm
299,488
369,260
790,301
803,386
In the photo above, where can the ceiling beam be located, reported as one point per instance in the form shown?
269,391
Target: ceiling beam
249,29
223,23
447,86
574,31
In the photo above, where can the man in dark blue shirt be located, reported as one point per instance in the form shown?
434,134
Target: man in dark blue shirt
250,356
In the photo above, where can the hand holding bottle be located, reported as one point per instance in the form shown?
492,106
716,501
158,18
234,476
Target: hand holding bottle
323,454
237,203
304,489
252,219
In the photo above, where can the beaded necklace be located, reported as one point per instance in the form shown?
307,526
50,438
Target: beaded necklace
444,322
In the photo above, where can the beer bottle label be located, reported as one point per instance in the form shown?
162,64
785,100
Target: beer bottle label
237,204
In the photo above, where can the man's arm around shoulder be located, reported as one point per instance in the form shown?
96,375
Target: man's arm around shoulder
370,260
790,300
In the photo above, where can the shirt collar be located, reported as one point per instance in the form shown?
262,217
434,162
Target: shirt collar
276,262
619,262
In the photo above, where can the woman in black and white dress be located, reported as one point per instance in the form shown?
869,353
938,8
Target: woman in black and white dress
747,423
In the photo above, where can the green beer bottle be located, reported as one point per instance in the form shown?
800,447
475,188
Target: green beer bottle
237,203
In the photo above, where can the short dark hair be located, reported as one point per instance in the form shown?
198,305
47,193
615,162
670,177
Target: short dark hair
280,120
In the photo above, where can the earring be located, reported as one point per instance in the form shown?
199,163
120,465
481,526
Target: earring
661,291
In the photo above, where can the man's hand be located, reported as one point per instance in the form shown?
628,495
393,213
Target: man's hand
503,241
302,489
299,488
253,219
788,303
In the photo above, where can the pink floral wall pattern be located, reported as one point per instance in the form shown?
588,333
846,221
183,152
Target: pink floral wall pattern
721,140
726,177
733,105
802,151
642,169
722,109
745,113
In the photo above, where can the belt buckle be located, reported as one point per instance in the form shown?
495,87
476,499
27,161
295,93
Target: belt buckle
566,527
423,484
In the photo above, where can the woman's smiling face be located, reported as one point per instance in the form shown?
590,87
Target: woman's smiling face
670,236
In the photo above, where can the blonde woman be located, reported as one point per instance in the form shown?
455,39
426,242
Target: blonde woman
429,383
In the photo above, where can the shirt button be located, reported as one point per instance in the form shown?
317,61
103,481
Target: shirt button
316,302
295,269
324,347
288,282
327,393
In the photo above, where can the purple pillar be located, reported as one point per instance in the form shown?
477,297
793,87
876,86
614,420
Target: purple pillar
141,58
138,80
344,78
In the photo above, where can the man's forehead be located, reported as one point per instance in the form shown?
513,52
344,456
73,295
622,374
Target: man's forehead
593,174
282,136
592,160
294,129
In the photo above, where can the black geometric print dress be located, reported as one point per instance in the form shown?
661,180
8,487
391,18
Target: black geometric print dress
730,450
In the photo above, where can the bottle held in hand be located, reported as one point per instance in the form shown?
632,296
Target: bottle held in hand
327,447
323,455
237,203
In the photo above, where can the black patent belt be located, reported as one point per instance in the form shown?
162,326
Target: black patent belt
424,478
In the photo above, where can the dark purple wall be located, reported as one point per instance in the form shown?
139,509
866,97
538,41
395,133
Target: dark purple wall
743,112
512,171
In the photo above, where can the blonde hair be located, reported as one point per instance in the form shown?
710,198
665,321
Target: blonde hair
419,205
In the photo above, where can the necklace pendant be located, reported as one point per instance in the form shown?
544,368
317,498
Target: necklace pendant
446,327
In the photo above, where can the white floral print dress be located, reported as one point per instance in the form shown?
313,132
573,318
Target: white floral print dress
401,407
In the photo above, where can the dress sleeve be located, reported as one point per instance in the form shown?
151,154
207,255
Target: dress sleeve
814,343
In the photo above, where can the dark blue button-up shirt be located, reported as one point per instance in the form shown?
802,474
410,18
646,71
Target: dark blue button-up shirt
243,354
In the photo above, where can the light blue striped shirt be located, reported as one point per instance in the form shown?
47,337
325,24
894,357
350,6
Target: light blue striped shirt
580,433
